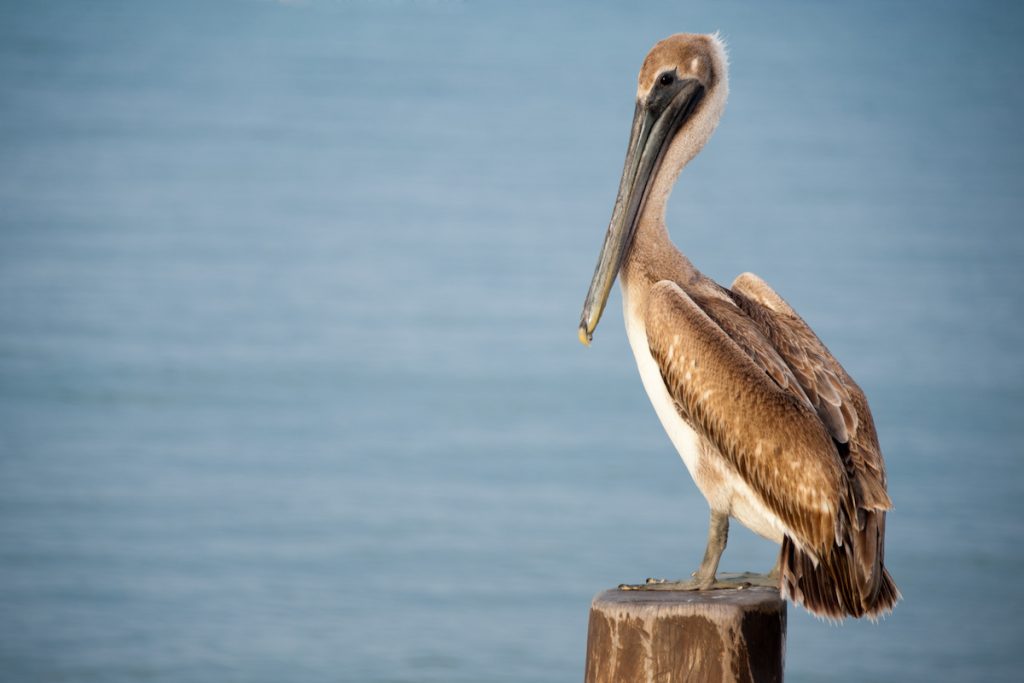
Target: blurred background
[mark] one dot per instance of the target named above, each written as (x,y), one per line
(290,388)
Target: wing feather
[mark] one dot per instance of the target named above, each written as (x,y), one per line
(838,400)
(739,394)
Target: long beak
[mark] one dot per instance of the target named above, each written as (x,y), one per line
(654,127)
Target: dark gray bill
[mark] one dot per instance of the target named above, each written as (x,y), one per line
(655,123)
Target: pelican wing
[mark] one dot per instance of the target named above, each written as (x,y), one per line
(837,399)
(766,429)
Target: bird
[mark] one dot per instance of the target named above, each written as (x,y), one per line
(774,432)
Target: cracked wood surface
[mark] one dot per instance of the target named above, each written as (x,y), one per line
(673,636)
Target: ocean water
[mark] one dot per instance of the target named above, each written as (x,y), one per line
(290,388)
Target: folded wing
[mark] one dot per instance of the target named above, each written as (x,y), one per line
(738,392)
(837,399)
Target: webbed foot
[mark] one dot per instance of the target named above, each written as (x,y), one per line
(727,581)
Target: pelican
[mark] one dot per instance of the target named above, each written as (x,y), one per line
(772,429)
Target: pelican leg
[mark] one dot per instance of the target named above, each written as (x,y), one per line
(718,536)
(704,577)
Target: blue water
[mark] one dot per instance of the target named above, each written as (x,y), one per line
(289,381)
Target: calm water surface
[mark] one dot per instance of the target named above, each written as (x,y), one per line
(289,381)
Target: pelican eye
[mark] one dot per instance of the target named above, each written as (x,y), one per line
(666,79)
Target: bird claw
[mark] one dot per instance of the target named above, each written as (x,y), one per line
(742,581)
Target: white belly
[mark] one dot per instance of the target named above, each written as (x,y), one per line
(723,488)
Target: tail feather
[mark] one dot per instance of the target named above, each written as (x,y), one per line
(849,580)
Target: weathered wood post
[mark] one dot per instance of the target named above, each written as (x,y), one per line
(673,636)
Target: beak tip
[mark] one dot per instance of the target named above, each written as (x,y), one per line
(585,336)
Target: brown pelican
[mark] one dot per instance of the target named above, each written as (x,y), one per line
(773,430)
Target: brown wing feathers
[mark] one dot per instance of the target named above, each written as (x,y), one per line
(794,426)
(820,374)
(771,436)
(852,579)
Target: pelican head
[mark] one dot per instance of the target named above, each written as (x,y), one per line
(680,96)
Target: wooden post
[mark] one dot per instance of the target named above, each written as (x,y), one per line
(674,636)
